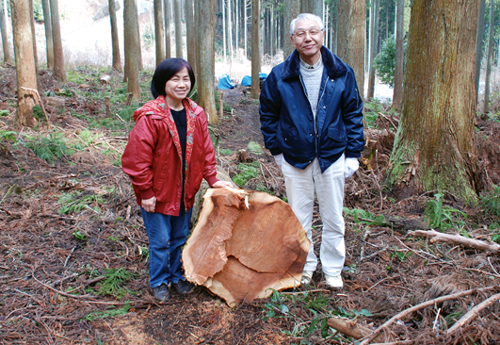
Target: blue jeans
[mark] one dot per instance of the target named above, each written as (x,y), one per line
(167,234)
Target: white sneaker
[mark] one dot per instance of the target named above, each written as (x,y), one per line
(334,281)
(306,277)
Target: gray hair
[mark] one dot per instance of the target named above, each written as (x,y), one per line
(308,16)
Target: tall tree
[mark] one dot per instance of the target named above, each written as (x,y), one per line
(333,22)
(313,6)
(434,146)
(398,70)
(178,28)
(49,42)
(487,85)
(25,61)
(351,37)
(224,44)
(5,40)
(255,89)
(479,44)
(115,44)
(59,70)
(166,17)
(230,31)
(190,33)
(206,57)
(247,4)
(132,64)
(35,54)
(292,10)
(374,10)
(159,31)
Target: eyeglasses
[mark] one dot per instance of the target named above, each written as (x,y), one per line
(303,33)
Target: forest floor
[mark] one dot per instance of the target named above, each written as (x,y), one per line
(73,263)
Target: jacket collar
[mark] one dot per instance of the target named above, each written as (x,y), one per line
(333,65)
(159,107)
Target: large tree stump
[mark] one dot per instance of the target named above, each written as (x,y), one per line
(245,245)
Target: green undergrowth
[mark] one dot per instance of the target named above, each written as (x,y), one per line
(114,281)
(440,216)
(112,311)
(361,216)
(309,313)
(248,171)
(49,147)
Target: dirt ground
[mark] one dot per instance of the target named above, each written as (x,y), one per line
(53,262)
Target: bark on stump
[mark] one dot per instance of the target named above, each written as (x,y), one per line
(245,245)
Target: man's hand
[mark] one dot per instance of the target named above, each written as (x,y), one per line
(149,205)
(351,165)
(222,184)
(279,159)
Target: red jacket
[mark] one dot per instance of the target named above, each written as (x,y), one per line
(153,156)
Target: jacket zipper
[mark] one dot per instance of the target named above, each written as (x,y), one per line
(314,117)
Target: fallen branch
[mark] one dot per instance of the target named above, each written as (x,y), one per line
(405,342)
(351,328)
(457,239)
(84,298)
(473,313)
(408,311)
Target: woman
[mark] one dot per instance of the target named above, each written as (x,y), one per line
(168,153)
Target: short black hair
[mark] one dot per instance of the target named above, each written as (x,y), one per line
(165,71)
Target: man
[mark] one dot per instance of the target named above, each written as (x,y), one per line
(311,118)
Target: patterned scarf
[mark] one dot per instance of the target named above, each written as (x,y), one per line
(159,107)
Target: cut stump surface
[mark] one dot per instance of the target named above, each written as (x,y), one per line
(245,245)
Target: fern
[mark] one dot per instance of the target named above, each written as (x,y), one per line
(248,172)
(49,148)
(72,202)
(434,211)
(115,278)
(368,218)
(109,313)
(491,201)
(443,217)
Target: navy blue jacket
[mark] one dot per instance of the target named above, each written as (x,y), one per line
(287,121)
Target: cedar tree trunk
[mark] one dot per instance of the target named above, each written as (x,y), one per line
(351,37)
(434,146)
(59,71)
(115,44)
(206,58)
(25,61)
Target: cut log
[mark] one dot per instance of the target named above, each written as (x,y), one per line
(245,245)
(352,329)
(457,239)
(56,102)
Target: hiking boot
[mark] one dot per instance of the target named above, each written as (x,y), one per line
(183,287)
(161,293)
(306,277)
(334,282)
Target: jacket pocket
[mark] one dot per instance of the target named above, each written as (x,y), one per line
(337,135)
(334,144)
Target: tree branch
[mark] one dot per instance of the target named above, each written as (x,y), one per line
(368,339)
(457,239)
(473,313)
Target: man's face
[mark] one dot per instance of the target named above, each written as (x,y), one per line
(307,39)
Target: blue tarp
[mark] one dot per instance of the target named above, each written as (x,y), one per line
(225,83)
(247,80)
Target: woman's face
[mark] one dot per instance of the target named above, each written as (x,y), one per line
(177,87)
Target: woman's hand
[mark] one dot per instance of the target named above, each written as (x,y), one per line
(149,205)
(222,184)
